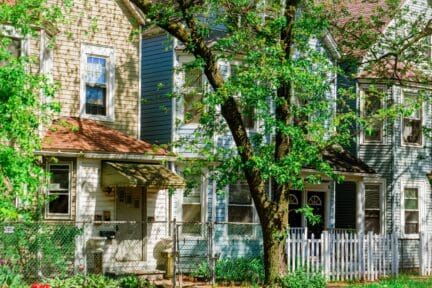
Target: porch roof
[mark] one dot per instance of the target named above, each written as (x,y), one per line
(134,174)
(72,134)
(342,160)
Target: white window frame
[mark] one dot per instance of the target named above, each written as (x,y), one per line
(181,76)
(10,31)
(103,52)
(413,93)
(421,185)
(230,65)
(49,215)
(203,200)
(362,93)
(382,200)
(254,222)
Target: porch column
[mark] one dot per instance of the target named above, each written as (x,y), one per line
(360,191)
(331,205)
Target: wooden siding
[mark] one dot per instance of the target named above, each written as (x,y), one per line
(395,162)
(106,24)
(92,200)
(157,81)
(157,232)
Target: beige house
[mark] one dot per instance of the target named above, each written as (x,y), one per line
(103,178)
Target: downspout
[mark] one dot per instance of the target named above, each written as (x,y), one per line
(139,83)
(392,171)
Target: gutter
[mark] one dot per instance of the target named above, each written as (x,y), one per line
(343,173)
(107,156)
(137,15)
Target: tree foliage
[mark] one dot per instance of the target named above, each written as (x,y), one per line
(285,80)
(25,105)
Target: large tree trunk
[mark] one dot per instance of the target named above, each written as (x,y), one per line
(275,258)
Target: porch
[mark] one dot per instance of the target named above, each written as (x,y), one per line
(355,205)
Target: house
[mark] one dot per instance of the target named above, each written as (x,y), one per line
(109,173)
(399,151)
(100,171)
(236,231)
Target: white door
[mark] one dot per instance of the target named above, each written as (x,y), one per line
(129,237)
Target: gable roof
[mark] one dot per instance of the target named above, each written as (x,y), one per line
(341,160)
(356,24)
(84,135)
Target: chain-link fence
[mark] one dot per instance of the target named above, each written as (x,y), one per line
(39,249)
(218,251)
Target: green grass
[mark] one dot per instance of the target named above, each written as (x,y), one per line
(399,282)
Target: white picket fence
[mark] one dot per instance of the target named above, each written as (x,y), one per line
(344,256)
(425,255)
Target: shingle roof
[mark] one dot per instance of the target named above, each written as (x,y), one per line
(77,134)
(342,160)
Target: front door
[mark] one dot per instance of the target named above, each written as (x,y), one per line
(316,201)
(129,236)
(295,218)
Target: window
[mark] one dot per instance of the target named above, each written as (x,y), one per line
(11,44)
(97,65)
(371,103)
(412,124)
(59,190)
(192,210)
(193,90)
(411,210)
(372,208)
(247,111)
(240,209)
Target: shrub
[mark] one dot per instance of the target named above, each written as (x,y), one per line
(301,279)
(84,281)
(244,270)
(10,278)
(99,281)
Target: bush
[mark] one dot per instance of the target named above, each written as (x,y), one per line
(10,278)
(301,279)
(133,281)
(99,281)
(244,270)
(87,281)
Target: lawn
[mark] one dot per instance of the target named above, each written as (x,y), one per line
(400,282)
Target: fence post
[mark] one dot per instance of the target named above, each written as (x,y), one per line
(421,250)
(361,255)
(325,248)
(395,254)
(210,229)
(174,252)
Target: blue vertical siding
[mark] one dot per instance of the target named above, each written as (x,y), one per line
(157,81)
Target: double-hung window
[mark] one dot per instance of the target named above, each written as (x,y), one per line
(371,102)
(192,209)
(411,212)
(59,191)
(412,123)
(231,70)
(97,88)
(240,210)
(373,207)
(192,92)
